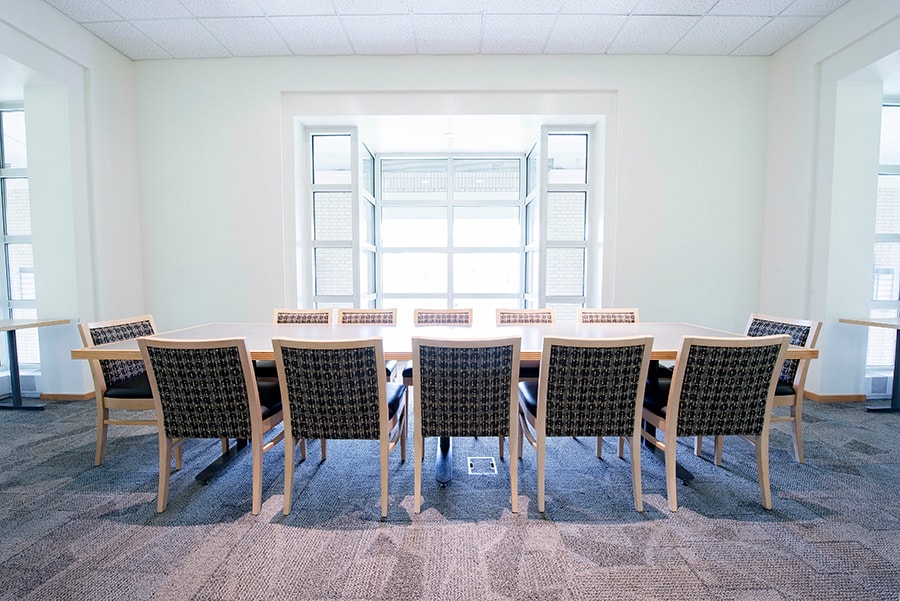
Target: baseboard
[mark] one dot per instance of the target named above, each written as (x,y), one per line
(834,398)
(60,396)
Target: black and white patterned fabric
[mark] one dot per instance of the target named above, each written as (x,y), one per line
(465,391)
(116,371)
(368,317)
(593,391)
(607,317)
(202,392)
(301,317)
(515,317)
(450,318)
(799,335)
(725,390)
(333,393)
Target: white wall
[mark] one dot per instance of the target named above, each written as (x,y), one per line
(690,156)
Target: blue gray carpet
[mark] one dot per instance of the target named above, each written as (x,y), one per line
(71,531)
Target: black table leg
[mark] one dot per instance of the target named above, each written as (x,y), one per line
(443,465)
(894,405)
(15,388)
(210,470)
(681,472)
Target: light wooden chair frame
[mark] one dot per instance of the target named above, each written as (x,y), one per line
(258,425)
(106,404)
(669,424)
(538,423)
(386,425)
(419,439)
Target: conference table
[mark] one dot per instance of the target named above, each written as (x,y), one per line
(397,341)
(891,323)
(10,326)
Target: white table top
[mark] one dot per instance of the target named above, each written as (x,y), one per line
(21,324)
(877,322)
(667,336)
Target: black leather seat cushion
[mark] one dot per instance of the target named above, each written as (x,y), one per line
(267,369)
(137,387)
(269,397)
(396,394)
(529,371)
(784,389)
(656,394)
(528,393)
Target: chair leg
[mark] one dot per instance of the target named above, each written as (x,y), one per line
(671,484)
(324,456)
(501,448)
(541,465)
(622,447)
(599,447)
(256,448)
(384,474)
(797,432)
(520,433)
(418,452)
(513,474)
(762,463)
(179,456)
(698,446)
(289,444)
(635,450)
(165,464)
(102,428)
(224,445)
(405,431)
(302,444)
(720,442)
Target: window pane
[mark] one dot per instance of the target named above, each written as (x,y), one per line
(27,339)
(14,139)
(531,172)
(567,159)
(400,177)
(404,273)
(885,280)
(484,310)
(880,351)
(486,272)
(531,222)
(890,135)
(331,160)
(486,226)
(488,178)
(367,174)
(565,311)
(414,226)
(887,205)
(21,271)
(367,223)
(565,216)
(334,271)
(332,213)
(367,262)
(565,271)
(531,272)
(18,209)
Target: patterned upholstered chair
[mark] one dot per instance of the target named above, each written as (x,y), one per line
(336,389)
(266,369)
(588,387)
(528,370)
(465,388)
(436,317)
(367,316)
(207,389)
(792,379)
(118,384)
(721,387)
(608,316)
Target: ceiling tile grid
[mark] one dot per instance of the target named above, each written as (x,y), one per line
(183,29)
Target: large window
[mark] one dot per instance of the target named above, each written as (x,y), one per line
(886,272)
(441,231)
(18,292)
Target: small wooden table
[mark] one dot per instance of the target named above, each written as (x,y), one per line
(892,323)
(10,326)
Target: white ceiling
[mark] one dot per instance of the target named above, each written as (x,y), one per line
(180,29)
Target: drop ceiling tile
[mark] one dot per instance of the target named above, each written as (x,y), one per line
(510,7)
(251,36)
(776,34)
(583,34)
(651,35)
(515,34)
(182,38)
(371,7)
(719,35)
(592,7)
(223,8)
(149,9)
(292,8)
(380,34)
(128,40)
(768,8)
(447,34)
(313,35)
(812,8)
(444,7)
(673,7)
(85,11)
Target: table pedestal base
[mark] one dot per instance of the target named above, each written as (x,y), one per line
(443,465)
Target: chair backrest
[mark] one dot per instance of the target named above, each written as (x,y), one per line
(316,316)
(608,316)
(110,372)
(514,317)
(203,388)
(724,386)
(442,317)
(802,332)
(333,389)
(367,316)
(592,387)
(465,387)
